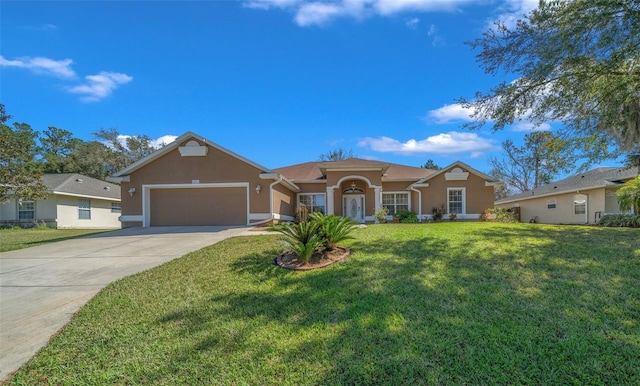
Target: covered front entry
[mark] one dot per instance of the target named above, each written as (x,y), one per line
(198,206)
(353,207)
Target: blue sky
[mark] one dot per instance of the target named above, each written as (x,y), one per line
(279,82)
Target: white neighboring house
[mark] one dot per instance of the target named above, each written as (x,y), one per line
(580,199)
(75,201)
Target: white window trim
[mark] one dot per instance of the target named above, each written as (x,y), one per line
(552,201)
(464,199)
(408,194)
(298,203)
(32,211)
(83,209)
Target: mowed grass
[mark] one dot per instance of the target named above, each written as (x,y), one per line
(447,303)
(12,239)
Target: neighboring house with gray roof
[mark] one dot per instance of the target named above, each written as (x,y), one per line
(579,199)
(74,201)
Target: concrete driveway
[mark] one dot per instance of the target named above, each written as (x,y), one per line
(42,287)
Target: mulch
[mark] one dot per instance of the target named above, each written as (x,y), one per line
(290,260)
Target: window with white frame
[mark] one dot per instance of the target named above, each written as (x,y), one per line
(551,203)
(313,202)
(84,209)
(395,202)
(116,207)
(456,200)
(579,204)
(26,210)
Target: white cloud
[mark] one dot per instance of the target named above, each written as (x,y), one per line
(95,88)
(164,140)
(444,143)
(317,13)
(436,39)
(413,23)
(389,7)
(45,66)
(100,86)
(512,10)
(309,13)
(155,143)
(529,126)
(449,113)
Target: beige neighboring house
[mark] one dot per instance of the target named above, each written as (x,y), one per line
(75,201)
(194,181)
(580,199)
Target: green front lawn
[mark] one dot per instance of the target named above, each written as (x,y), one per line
(447,303)
(18,238)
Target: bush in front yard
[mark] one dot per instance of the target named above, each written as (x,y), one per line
(620,220)
(407,217)
(318,232)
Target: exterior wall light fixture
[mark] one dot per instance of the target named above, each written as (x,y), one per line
(131,191)
(258,189)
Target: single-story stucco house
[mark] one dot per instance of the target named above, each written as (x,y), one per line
(580,199)
(74,201)
(194,181)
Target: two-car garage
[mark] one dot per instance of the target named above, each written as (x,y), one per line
(206,204)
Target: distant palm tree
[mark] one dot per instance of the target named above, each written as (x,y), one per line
(629,195)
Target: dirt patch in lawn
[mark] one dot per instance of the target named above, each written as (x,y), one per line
(322,259)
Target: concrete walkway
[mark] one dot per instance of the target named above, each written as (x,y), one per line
(42,287)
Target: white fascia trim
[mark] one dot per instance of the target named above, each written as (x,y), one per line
(86,196)
(146,195)
(534,196)
(120,179)
(280,178)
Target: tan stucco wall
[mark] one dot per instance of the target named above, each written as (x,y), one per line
(284,201)
(478,196)
(216,167)
(564,211)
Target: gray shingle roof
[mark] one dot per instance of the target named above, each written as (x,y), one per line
(80,185)
(595,178)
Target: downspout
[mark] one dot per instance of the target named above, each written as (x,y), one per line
(271,185)
(419,201)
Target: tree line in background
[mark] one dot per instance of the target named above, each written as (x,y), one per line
(26,154)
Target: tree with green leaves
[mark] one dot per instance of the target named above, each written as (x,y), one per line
(629,196)
(56,147)
(576,62)
(20,171)
(430,164)
(337,155)
(123,150)
(538,161)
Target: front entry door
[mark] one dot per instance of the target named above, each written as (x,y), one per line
(353,207)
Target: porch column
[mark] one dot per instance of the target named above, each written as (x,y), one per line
(378,197)
(330,207)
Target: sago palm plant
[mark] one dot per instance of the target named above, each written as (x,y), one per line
(302,238)
(333,229)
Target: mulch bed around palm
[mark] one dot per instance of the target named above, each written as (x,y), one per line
(290,260)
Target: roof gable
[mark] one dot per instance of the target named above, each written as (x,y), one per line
(462,165)
(183,139)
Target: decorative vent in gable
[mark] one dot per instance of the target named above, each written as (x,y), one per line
(456,174)
(193,149)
